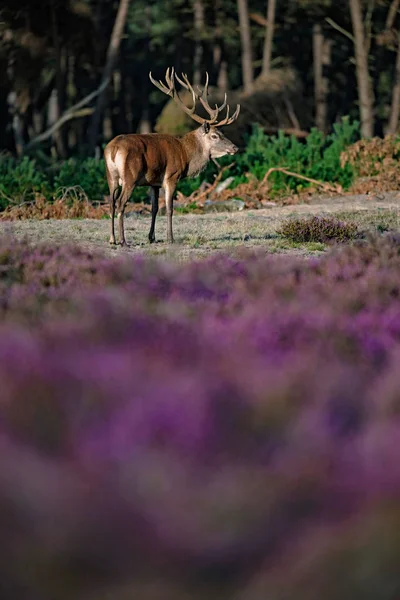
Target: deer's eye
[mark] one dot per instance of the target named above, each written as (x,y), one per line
(214,136)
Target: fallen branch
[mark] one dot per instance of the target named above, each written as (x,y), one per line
(76,111)
(323,185)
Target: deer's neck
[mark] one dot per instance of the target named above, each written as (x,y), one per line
(197,155)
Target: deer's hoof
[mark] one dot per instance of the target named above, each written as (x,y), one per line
(112,242)
(152,239)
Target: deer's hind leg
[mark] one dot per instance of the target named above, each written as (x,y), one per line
(132,173)
(113,184)
(154,191)
(169,186)
(123,200)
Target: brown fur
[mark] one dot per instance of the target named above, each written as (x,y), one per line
(158,160)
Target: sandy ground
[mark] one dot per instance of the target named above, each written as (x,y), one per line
(197,235)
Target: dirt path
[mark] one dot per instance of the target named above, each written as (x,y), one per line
(197,235)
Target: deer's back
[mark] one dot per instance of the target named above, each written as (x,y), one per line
(147,157)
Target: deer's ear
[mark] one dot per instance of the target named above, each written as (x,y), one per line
(206,127)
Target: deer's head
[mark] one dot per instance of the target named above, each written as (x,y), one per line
(213,140)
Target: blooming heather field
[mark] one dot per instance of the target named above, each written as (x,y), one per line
(223,429)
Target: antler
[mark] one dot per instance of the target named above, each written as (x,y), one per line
(202,96)
(171,91)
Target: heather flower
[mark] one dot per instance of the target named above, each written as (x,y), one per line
(318,229)
(200,425)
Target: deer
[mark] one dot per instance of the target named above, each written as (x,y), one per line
(160,160)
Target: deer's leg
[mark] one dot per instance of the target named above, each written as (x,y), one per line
(124,198)
(155,192)
(113,184)
(169,188)
(113,201)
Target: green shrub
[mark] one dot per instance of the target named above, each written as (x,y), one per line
(89,174)
(318,229)
(317,157)
(20,180)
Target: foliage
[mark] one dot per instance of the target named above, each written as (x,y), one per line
(318,157)
(20,180)
(374,156)
(318,229)
(89,174)
(376,163)
(333,159)
(29,180)
(218,429)
(160,34)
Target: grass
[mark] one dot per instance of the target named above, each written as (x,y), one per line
(199,235)
(378,220)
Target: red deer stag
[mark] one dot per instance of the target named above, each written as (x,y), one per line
(159,160)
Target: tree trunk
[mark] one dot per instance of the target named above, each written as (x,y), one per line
(269,36)
(199,24)
(71,91)
(220,67)
(217,40)
(245,37)
(60,139)
(365,93)
(128,103)
(395,108)
(222,81)
(322,58)
(17,122)
(112,54)
(145,123)
(392,12)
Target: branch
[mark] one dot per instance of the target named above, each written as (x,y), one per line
(76,111)
(259,19)
(325,186)
(333,24)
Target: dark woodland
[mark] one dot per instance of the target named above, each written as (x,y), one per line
(75,73)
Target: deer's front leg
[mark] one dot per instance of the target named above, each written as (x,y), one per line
(169,188)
